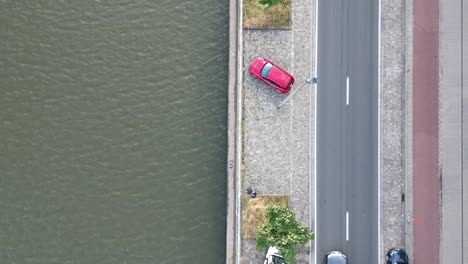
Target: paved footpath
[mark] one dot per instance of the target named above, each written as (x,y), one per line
(394,83)
(277,143)
(453,91)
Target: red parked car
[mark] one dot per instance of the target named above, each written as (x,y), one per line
(271,74)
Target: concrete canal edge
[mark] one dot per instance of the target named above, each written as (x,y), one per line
(234,134)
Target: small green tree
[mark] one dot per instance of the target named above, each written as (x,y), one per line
(284,232)
(269,2)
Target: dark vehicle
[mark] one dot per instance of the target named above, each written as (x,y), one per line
(336,257)
(271,74)
(397,256)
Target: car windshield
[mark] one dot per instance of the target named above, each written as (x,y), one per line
(266,69)
(278,260)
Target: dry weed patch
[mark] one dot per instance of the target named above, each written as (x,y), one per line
(254,210)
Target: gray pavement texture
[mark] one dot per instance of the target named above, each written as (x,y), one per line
(453,92)
(393,44)
(277,142)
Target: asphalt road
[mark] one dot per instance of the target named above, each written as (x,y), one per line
(347,178)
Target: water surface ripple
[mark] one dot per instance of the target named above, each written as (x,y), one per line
(113,131)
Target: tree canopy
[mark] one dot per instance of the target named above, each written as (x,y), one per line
(284,232)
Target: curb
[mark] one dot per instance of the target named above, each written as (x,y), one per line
(233,134)
(408,128)
(268,28)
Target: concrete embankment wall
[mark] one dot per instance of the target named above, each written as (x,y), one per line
(234,119)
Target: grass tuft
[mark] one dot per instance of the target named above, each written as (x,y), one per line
(257,15)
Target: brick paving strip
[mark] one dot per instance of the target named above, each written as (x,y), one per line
(426,131)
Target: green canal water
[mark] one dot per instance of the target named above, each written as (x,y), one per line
(113,131)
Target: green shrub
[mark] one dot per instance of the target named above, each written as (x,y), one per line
(284,232)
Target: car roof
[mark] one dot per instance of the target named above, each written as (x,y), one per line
(398,256)
(279,76)
(336,257)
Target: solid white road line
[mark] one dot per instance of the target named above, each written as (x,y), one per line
(315,128)
(347,225)
(347,90)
